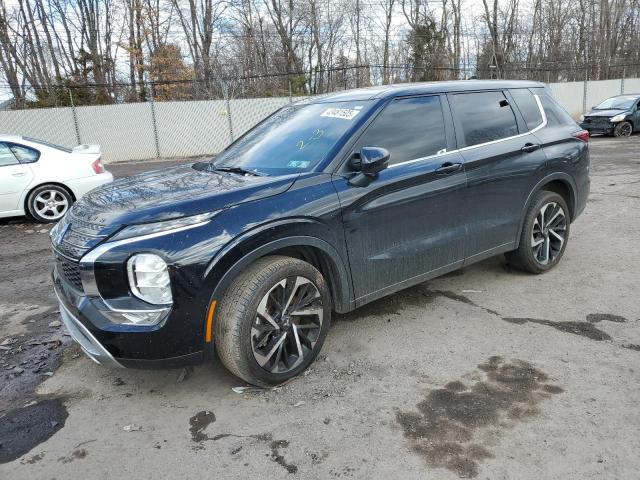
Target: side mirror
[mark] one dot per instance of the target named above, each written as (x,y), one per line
(368,162)
(371,160)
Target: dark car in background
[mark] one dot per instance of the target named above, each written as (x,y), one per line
(618,116)
(324,206)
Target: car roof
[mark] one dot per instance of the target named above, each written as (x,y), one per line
(405,89)
(629,95)
(11,138)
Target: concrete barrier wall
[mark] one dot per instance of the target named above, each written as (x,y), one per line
(570,95)
(138,131)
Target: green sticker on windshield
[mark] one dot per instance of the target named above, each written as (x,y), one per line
(298,164)
(343,113)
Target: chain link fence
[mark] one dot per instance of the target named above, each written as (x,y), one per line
(142,130)
(150,124)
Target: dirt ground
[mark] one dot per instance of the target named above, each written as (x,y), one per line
(486,372)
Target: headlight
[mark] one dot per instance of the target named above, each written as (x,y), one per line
(582,118)
(157,227)
(149,278)
(618,118)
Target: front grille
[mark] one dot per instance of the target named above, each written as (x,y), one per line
(71,239)
(69,271)
(598,122)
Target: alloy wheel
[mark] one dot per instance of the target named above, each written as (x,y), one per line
(50,204)
(625,129)
(548,233)
(287,324)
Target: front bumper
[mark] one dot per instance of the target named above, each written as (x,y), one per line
(595,129)
(89,344)
(101,344)
(178,337)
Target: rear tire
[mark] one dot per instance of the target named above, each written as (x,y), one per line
(263,341)
(545,234)
(48,203)
(623,129)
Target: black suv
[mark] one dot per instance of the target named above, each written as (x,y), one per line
(324,206)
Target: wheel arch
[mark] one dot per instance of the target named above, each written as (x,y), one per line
(318,252)
(42,184)
(560,183)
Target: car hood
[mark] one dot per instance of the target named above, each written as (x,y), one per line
(172,193)
(605,113)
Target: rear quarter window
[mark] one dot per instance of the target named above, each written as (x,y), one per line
(556,115)
(528,107)
(483,117)
(25,154)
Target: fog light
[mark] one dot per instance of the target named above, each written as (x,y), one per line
(149,278)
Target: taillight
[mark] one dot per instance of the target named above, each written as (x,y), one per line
(582,135)
(97,166)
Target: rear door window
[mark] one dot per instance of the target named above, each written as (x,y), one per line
(6,156)
(528,106)
(482,117)
(410,128)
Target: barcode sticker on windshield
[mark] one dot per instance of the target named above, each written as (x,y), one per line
(343,113)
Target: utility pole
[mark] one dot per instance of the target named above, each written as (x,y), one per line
(357,43)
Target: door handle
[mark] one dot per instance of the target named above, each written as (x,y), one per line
(530,147)
(448,167)
(19,174)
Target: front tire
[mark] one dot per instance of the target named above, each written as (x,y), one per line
(545,233)
(623,129)
(49,203)
(273,320)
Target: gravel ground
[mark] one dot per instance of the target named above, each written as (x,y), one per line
(486,372)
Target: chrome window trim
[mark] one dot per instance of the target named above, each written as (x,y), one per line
(87,262)
(463,149)
(421,159)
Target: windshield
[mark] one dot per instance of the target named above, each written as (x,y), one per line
(616,103)
(294,139)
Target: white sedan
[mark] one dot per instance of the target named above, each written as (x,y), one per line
(43,180)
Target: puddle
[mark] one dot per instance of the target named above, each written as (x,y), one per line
(23,429)
(455,426)
(461,298)
(276,445)
(78,454)
(201,420)
(605,317)
(584,329)
(198,423)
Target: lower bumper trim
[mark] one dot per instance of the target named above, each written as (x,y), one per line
(89,344)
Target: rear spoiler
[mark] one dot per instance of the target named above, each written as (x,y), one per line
(87,149)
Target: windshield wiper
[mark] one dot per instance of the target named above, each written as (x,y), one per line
(239,170)
(210,167)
